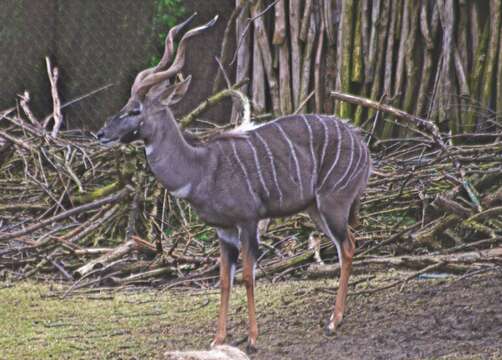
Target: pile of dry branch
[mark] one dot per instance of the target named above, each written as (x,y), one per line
(71,209)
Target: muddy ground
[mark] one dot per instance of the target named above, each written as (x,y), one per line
(423,321)
(451,318)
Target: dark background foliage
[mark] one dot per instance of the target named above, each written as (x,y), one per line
(95,43)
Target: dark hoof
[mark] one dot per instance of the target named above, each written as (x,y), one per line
(251,349)
(238,342)
(329,331)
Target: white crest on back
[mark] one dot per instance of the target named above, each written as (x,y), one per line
(245,127)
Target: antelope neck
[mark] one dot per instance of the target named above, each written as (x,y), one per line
(174,162)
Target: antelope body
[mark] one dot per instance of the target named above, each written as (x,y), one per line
(312,163)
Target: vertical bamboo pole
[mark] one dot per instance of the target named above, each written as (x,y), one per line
(463,59)
(306,61)
(266,55)
(382,28)
(294,31)
(365,31)
(334,57)
(258,79)
(429,33)
(372,50)
(410,58)
(243,54)
(344,110)
(389,58)
(357,51)
(318,80)
(498,94)
(447,113)
(280,40)
(474,26)
(489,71)
(389,61)
(403,36)
(365,43)
(327,56)
(463,43)
(476,75)
(327,15)
(305,25)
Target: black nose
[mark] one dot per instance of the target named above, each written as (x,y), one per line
(100,134)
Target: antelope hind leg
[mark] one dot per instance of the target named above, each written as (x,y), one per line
(347,252)
(249,255)
(333,222)
(229,254)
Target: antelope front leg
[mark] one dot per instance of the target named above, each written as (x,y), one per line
(228,258)
(348,247)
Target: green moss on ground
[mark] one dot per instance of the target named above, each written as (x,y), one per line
(35,322)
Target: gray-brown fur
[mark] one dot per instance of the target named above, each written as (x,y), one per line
(274,183)
(219,195)
(312,163)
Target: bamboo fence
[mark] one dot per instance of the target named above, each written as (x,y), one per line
(440,60)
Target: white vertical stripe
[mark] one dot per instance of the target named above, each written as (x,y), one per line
(338,151)
(312,152)
(272,164)
(246,176)
(347,170)
(293,152)
(326,139)
(224,153)
(364,166)
(258,167)
(356,168)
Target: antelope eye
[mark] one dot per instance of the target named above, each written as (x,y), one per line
(134,112)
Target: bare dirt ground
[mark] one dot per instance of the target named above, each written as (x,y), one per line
(451,318)
(423,321)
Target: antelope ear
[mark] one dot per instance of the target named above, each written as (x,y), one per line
(170,94)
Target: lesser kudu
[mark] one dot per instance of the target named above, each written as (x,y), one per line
(313,163)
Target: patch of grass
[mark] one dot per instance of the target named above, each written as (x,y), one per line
(36,324)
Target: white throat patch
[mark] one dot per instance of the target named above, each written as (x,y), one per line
(182,192)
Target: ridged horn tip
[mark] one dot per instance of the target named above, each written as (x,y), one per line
(189,20)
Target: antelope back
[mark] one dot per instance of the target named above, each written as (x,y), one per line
(287,164)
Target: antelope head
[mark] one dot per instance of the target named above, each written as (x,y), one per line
(154,89)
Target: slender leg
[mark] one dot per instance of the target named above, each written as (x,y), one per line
(249,255)
(331,217)
(228,258)
(348,247)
